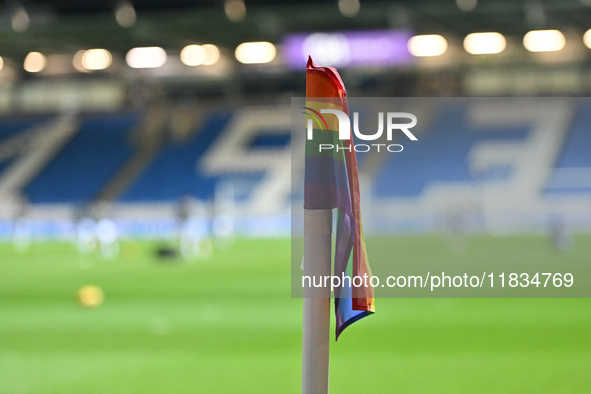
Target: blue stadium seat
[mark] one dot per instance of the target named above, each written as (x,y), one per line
(577,146)
(174,173)
(575,153)
(87,162)
(10,127)
(440,154)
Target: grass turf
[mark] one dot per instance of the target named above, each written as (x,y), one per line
(228,325)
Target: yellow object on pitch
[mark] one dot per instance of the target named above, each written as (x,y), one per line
(90,296)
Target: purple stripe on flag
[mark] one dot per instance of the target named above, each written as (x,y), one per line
(344,242)
(323,196)
(323,169)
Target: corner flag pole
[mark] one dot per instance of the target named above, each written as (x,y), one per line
(316,327)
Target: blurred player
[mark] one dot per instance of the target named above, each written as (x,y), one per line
(455,228)
(561,237)
(105,230)
(21,236)
(223,221)
(85,235)
(106,233)
(479,172)
(194,240)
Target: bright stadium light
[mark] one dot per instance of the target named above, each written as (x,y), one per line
(212,54)
(20,19)
(427,45)
(255,52)
(349,8)
(77,61)
(196,55)
(235,10)
(146,57)
(466,5)
(193,55)
(587,38)
(34,62)
(125,14)
(544,41)
(96,59)
(484,43)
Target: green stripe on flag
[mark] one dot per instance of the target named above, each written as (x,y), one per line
(325,137)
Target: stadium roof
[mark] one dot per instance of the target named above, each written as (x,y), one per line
(68,25)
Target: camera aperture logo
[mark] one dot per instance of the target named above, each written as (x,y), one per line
(344,129)
(317,117)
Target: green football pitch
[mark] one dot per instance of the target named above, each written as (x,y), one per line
(229,325)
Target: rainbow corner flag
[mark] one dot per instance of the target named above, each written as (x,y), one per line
(332,181)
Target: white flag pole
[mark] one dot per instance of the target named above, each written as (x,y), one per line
(316,327)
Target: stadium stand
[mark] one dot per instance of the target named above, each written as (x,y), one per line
(11,136)
(174,168)
(87,162)
(442,155)
(430,177)
(102,145)
(572,171)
